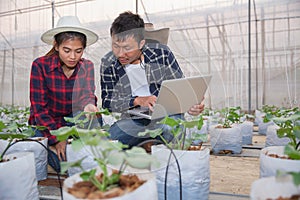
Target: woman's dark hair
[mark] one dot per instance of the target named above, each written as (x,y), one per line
(126,25)
(64,36)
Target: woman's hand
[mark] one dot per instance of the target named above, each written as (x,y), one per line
(61,150)
(196,109)
(90,108)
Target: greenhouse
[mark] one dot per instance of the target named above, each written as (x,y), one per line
(250,50)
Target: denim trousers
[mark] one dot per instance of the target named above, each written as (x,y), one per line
(126,130)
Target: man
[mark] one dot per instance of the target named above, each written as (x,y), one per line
(131,76)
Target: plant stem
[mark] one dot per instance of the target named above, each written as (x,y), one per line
(90,123)
(2,155)
(183,139)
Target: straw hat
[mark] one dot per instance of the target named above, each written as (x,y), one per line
(69,23)
(160,35)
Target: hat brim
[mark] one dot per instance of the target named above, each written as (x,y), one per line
(48,36)
(160,35)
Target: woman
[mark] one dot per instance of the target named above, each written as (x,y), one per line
(62,82)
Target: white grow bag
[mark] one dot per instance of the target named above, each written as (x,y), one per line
(247,132)
(226,139)
(18,177)
(270,165)
(273,188)
(272,139)
(195,173)
(40,153)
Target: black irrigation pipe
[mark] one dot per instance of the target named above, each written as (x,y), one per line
(51,157)
(179,173)
(230,194)
(167,168)
(297,146)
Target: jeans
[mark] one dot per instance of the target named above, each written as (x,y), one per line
(53,159)
(126,130)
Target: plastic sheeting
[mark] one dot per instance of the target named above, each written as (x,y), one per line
(213,39)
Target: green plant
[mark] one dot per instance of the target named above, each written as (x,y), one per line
(269,108)
(178,131)
(289,126)
(295,175)
(230,116)
(14,126)
(274,111)
(104,152)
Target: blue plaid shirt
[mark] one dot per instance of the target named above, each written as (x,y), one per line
(159,64)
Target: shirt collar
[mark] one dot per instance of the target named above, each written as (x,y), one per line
(149,53)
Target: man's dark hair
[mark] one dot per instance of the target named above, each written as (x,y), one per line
(126,25)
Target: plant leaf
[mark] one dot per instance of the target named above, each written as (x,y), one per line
(152,133)
(64,133)
(296,131)
(2,126)
(66,165)
(6,136)
(116,158)
(169,121)
(200,122)
(77,145)
(87,174)
(292,152)
(103,111)
(137,157)
(283,132)
(296,177)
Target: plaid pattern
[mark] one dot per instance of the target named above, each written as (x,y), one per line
(53,96)
(160,64)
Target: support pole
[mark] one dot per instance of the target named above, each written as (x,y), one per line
(13,78)
(208,55)
(3,75)
(249,56)
(53,8)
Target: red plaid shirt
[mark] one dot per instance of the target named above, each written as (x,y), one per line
(54,96)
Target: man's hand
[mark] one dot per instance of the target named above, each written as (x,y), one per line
(196,109)
(146,101)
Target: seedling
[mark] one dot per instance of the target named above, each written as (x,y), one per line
(14,126)
(104,152)
(178,131)
(230,116)
(290,127)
